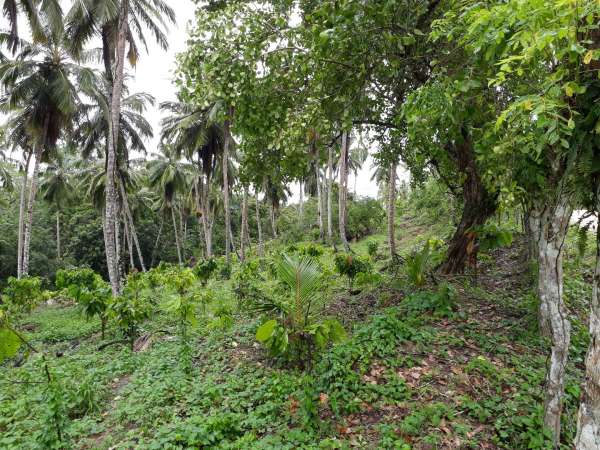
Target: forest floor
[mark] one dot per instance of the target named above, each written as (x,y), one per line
(420,370)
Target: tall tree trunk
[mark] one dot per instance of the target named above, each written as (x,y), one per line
(176,231)
(301,204)
(203,204)
(588,419)
(22,215)
(58,253)
(343,192)
(30,204)
(112,254)
(553,226)
(392,209)
(319,203)
(160,228)
(479,205)
(330,195)
(182,232)
(226,145)
(261,249)
(273,221)
(244,224)
(132,230)
(129,244)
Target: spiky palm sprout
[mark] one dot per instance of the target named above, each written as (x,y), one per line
(41,94)
(57,188)
(169,177)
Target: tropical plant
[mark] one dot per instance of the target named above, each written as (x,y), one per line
(372,248)
(89,290)
(205,269)
(22,295)
(350,266)
(299,330)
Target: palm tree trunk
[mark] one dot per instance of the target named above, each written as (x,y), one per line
(244,224)
(205,209)
(273,222)
(226,144)
(112,255)
(588,419)
(132,229)
(301,205)
(160,228)
(261,249)
(343,193)
(22,216)
(175,230)
(392,209)
(58,253)
(330,195)
(30,204)
(182,231)
(319,203)
(129,243)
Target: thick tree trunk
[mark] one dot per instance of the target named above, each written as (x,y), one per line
(554,219)
(588,419)
(343,192)
(132,230)
(261,249)
(160,228)
(22,216)
(112,245)
(391,229)
(479,205)
(203,199)
(330,195)
(30,204)
(58,252)
(226,145)
(176,231)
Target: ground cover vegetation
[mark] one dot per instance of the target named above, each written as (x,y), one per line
(232,288)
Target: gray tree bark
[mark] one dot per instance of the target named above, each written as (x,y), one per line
(132,230)
(319,204)
(330,195)
(58,252)
(244,237)
(588,418)
(30,204)
(112,244)
(227,143)
(343,192)
(22,215)
(553,226)
(392,210)
(176,231)
(261,249)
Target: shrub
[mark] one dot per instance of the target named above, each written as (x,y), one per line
(440,303)
(88,289)
(132,307)
(298,330)
(350,266)
(418,261)
(372,248)
(22,295)
(365,216)
(245,281)
(205,269)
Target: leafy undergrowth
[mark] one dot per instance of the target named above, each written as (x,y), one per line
(453,366)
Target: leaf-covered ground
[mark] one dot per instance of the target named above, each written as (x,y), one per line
(412,375)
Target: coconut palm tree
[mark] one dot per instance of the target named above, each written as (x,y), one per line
(120,23)
(41,93)
(57,188)
(194,133)
(39,15)
(169,177)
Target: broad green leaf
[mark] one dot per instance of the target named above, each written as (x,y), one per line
(265,331)
(9,344)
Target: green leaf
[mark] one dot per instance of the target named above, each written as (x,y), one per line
(9,344)
(265,331)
